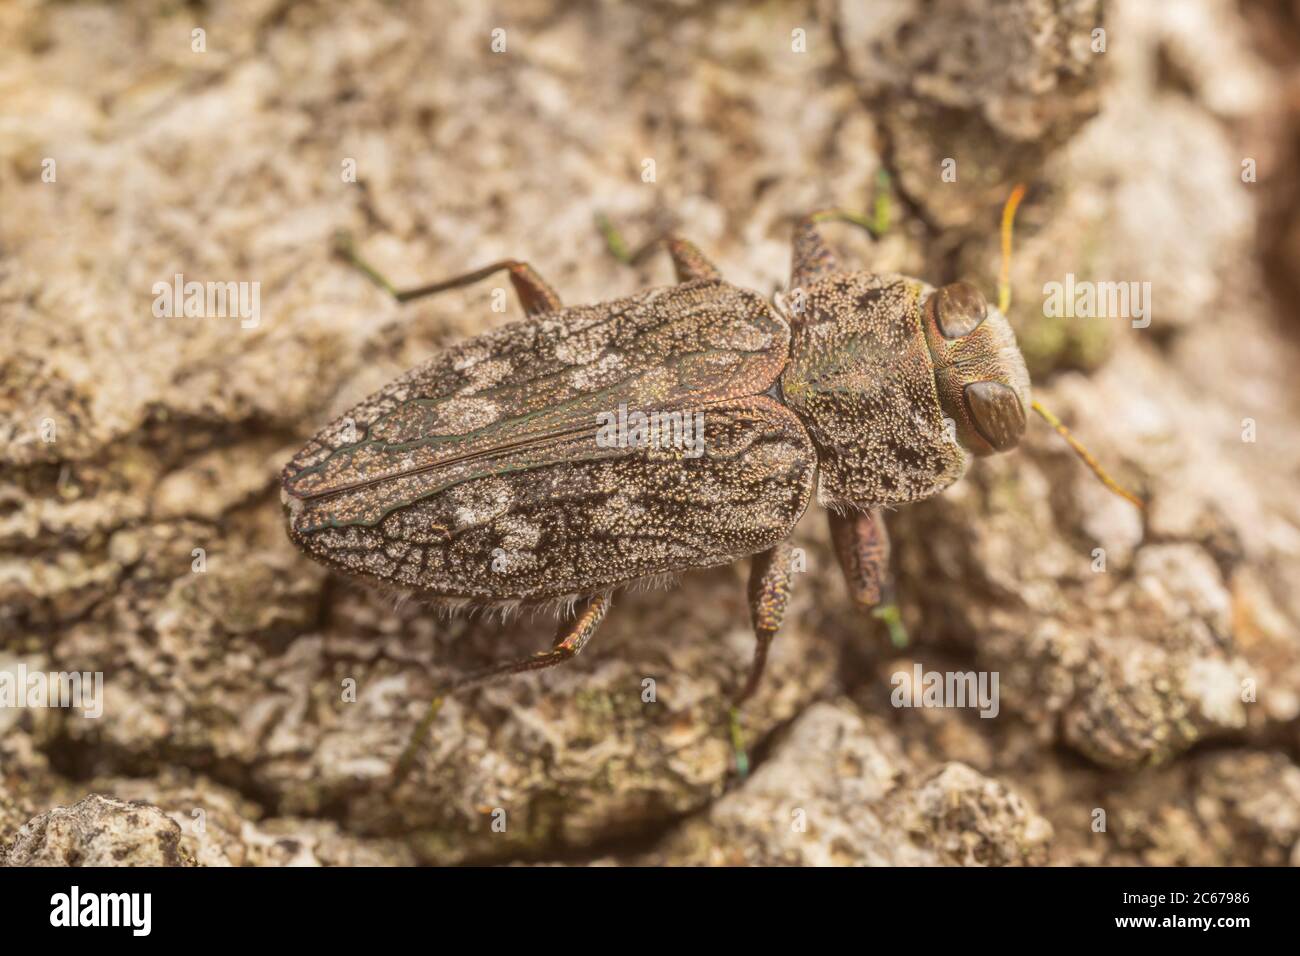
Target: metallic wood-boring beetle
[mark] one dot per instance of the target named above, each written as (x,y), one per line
(478,478)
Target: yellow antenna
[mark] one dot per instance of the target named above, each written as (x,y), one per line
(1086,456)
(1004,304)
(1008,219)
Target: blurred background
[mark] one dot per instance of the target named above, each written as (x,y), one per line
(1149,663)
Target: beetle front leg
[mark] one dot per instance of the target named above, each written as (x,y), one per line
(862,547)
(534,292)
(570,639)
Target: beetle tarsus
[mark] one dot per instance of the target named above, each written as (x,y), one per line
(407,759)
(893,618)
(738,742)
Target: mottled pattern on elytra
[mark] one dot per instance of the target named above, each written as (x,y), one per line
(580,526)
(862,380)
(529,383)
(478,474)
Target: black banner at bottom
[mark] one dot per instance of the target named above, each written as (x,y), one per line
(532,903)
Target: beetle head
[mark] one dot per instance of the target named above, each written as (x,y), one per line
(979,372)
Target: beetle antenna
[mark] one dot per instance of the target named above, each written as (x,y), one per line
(858,219)
(1004,303)
(1008,219)
(1086,456)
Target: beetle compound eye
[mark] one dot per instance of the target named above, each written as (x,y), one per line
(959,310)
(996,413)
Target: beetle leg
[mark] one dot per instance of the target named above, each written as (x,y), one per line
(688,262)
(862,547)
(769,593)
(570,639)
(533,291)
(811,259)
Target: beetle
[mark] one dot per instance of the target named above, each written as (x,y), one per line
(479,478)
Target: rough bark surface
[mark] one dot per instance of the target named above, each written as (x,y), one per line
(1162,687)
